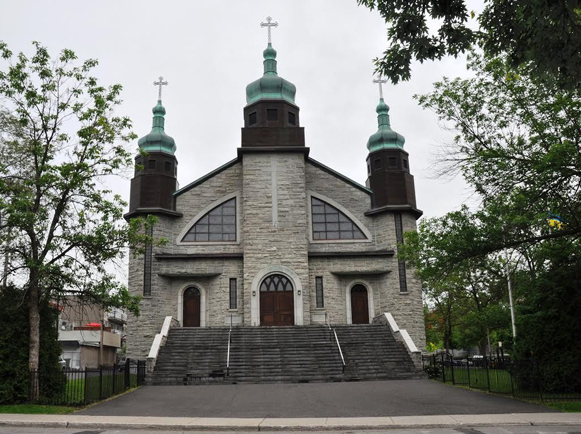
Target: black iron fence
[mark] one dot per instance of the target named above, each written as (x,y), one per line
(81,387)
(521,379)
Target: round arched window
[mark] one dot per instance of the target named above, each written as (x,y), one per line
(276,282)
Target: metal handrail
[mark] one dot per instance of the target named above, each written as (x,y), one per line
(339,347)
(328,322)
(229,342)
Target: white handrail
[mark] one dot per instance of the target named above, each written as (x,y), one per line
(229,341)
(340,352)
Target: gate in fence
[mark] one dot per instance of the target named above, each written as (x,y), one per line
(80,387)
(523,379)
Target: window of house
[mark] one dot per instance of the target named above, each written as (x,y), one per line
(319,289)
(292,118)
(151,164)
(377,164)
(233,299)
(331,224)
(252,118)
(405,164)
(272,114)
(167,166)
(392,162)
(217,225)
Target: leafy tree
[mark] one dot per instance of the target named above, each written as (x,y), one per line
(59,140)
(546,34)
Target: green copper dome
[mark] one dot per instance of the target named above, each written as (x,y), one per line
(157,139)
(385,137)
(270,86)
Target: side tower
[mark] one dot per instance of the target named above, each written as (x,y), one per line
(155,178)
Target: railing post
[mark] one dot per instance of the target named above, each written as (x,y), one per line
(452,369)
(443,368)
(539,381)
(114,376)
(487,372)
(127,378)
(100,382)
(86,388)
(511,379)
(468,370)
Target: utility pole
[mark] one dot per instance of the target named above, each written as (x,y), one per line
(509,281)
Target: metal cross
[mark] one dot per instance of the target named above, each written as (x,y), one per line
(380,81)
(160,83)
(268,25)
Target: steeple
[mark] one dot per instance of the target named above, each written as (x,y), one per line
(157,139)
(155,178)
(271,117)
(388,166)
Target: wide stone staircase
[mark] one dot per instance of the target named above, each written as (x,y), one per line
(281,354)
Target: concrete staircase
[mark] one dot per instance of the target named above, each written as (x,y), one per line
(281,354)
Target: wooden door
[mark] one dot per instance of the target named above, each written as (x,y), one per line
(191,307)
(277,308)
(359,305)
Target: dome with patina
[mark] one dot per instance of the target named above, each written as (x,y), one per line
(270,86)
(385,137)
(157,140)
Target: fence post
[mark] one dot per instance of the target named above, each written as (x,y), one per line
(86,388)
(539,380)
(443,368)
(452,369)
(511,379)
(127,374)
(114,377)
(468,370)
(100,382)
(487,372)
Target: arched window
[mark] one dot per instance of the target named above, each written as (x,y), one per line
(331,224)
(217,225)
(276,282)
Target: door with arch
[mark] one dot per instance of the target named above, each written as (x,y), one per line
(277,301)
(191,314)
(359,305)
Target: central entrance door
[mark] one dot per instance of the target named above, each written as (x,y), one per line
(359,305)
(277,301)
(191,307)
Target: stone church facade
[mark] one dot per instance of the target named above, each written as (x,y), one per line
(273,237)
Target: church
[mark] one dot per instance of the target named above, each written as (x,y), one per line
(273,237)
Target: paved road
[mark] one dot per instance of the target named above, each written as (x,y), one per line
(356,399)
(466,430)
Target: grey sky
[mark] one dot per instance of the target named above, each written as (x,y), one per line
(209,51)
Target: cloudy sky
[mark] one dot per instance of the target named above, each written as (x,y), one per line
(209,51)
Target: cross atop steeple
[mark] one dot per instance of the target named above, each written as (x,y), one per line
(380,81)
(160,83)
(268,25)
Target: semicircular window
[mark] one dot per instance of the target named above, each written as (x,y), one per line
(331,224)
(217,225)
(276,282)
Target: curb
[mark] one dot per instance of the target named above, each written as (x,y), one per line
(302,424)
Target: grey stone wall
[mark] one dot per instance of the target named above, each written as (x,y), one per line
(279,239)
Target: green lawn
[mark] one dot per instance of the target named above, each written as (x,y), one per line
(36,409)
(568,407)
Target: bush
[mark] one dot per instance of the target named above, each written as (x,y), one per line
(14,332)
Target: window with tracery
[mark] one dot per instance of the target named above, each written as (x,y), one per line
(331,224)
(217,225)
(276,282)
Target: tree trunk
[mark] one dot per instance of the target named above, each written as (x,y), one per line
(34,338)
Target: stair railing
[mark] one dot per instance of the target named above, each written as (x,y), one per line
(229,343)
(334,333)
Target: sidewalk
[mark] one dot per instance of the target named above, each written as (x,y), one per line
(274,424)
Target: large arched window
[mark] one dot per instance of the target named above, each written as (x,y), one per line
(217,225)
(331,224)
(276,282)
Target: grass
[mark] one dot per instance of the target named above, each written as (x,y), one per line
(567,407)
(36,409)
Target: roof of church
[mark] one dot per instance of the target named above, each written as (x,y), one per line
(157,139)
(236,160)
(385,137)
(270,85)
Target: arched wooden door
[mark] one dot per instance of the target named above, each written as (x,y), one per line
(277,301)
(359,305)
(191,307)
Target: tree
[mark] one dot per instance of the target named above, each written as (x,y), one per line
(545,34)
(59,140)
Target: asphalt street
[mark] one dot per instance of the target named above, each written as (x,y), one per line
(356,399)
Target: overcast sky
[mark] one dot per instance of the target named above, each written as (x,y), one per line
(209,51)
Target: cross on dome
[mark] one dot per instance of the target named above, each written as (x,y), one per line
(268,25)
(380,81)
(160,83)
